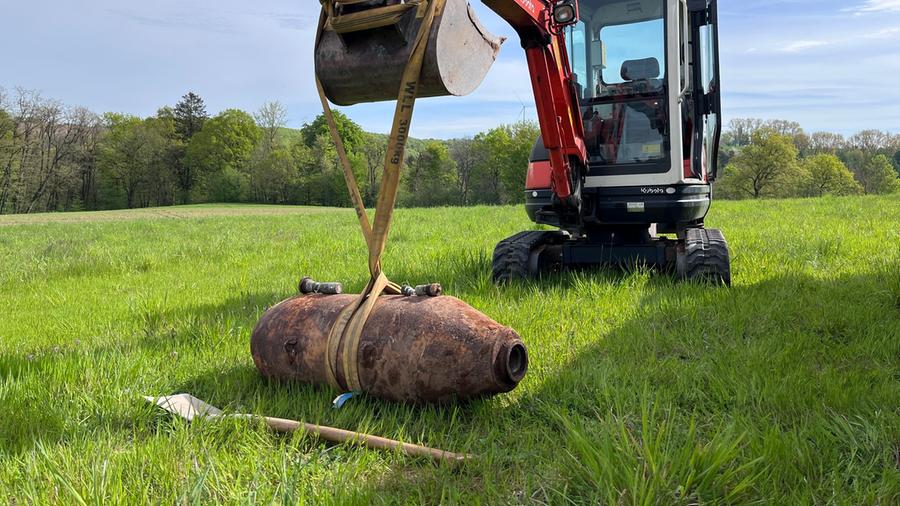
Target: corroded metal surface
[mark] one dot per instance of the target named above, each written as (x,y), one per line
(367,66)
(412,349)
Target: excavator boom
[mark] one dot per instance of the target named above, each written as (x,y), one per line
(543,40)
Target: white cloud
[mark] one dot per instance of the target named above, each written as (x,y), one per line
(878,6)
(866,35)
(802,45)
(884,34)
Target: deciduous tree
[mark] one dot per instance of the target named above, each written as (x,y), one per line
(740,131)
(372,153)
(351,133)
(515,167)
(766,168)
(132,161)
(219,154)
(465,156)
(870,141)
(431,178)
(271,118)
(826,142)
(487,174)
(825,174)
(48,162)
(878,176)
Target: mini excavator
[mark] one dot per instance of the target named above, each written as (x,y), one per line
(628,101)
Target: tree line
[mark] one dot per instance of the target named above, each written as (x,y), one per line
(55,157)
(60,158)
(777,158)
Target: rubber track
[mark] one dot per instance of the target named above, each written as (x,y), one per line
(707,256)
(512,256)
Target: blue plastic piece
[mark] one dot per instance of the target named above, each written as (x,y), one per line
(341,399)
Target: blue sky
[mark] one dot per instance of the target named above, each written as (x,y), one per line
(827,64)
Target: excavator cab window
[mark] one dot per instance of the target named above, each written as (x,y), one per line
(618,52)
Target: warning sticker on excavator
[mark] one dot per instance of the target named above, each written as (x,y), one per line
(652,149)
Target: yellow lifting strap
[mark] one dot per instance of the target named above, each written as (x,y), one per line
(343,341)
(368,19)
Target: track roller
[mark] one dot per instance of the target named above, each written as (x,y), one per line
(704,257)
(519,257)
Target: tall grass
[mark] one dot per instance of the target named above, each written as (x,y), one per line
(655,459)
(784,389)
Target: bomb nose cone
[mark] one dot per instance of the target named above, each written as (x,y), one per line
(512,362)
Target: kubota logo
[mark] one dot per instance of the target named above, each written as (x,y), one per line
(653,191)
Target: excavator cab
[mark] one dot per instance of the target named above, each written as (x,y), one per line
(646,78)
(634,63)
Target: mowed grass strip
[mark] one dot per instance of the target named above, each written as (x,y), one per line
(179,212)
(783,389)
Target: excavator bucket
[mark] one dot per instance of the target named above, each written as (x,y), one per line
(364,45)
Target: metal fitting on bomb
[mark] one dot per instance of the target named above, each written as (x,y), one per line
(432,290)
(308,286)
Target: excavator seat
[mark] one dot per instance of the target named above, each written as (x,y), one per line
(364,45)
(642,75)
(646,68)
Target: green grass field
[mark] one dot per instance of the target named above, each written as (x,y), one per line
(784,389)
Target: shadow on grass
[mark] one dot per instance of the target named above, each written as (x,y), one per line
(26,424)
(769,390)
(785,384)
(689,339)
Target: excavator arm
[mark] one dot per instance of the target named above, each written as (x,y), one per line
(554,87)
